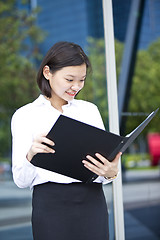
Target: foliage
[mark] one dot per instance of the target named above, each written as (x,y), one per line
(145,88)
(19,38)
(135,160)
(95,88)
(145,85)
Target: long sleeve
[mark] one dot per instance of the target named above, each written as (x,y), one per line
(23,171)
(38,117)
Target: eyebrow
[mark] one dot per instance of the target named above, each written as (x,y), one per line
(69,75)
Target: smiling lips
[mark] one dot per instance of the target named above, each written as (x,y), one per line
(72,94)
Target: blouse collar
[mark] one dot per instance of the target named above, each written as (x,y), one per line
(43,100)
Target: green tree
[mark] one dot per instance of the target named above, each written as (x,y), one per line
(145,88)
(95,87)
(19,39)
(145,85)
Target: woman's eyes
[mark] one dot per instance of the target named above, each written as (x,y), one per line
(71,80)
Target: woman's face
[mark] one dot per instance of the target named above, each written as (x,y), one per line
(67,82)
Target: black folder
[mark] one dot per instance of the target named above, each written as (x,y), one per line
(75,140)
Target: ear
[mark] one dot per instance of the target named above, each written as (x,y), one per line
(46,72)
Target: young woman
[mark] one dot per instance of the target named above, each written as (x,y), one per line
(63,207)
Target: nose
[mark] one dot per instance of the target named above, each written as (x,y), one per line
(75,87)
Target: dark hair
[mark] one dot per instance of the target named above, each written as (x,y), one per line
(61,54)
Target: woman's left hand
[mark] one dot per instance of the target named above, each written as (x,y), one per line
(104,168)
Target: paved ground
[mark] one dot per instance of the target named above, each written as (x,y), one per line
(141,193)
(15,212)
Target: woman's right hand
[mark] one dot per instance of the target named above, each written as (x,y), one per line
(39,147)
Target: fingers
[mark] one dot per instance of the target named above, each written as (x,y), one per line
(93,169)
(102,167)
(93,165)
(41,144)
(43,139)
(103,159)
(116,159)
(41,148)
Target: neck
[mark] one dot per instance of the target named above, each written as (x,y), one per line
(57,103)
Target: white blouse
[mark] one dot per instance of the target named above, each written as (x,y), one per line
(39,117)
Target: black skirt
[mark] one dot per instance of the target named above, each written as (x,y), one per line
(73,211)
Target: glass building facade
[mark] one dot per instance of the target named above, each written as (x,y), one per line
(70,21)
(77,20)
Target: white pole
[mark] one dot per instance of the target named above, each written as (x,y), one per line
(113,112)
